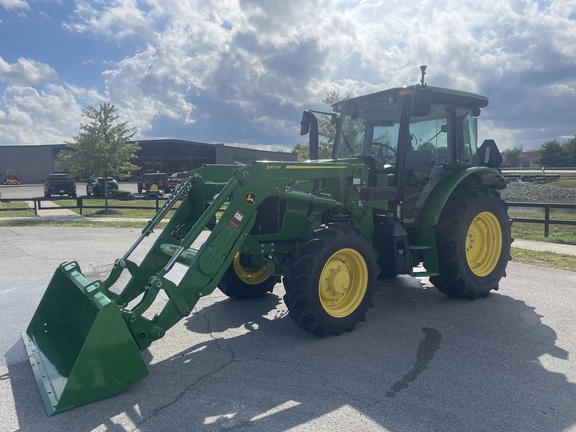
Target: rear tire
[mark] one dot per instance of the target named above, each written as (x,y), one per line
(473,242)
(243,282)
(331,280)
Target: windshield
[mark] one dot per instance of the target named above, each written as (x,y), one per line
(429,133)
(369,128)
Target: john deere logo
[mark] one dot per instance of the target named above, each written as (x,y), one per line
(250,198)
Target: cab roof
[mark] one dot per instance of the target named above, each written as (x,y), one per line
(439,95)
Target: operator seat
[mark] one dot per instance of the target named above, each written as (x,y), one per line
(418,165)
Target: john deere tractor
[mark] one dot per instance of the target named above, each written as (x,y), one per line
(407,191)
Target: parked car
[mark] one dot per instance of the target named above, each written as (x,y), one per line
(158,179)
(177,178)
(97,186)
(59,184)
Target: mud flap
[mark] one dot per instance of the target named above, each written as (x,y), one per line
(79,344)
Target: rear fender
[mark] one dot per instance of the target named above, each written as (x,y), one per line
(442,192)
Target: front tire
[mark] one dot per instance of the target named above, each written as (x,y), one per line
(243,281)
(331,280)
(473,242)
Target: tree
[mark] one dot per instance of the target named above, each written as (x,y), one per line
(569,150)
(301,151)
(551,154)
(513,157)
(326,128)
(102,147)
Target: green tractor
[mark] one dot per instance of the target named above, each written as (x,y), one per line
(407,191)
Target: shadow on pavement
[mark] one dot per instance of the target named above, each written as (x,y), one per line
(421,362)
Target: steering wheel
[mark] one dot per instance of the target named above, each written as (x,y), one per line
(384,152)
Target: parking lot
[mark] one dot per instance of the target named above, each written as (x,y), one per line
(37,190)
(420,362)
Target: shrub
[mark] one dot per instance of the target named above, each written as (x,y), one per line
(121,194)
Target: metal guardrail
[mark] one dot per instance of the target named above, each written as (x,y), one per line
(546,221)
(159,202)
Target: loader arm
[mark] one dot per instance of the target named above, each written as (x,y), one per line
(84,338)
(241,196)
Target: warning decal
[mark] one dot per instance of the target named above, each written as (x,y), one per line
(233,224)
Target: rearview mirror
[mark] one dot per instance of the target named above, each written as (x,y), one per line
(309,124)
(305,123)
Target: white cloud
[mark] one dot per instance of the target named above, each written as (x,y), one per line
(242,70)
(116,19)
(26,72)
(14,4)
(52,115)
(148,86)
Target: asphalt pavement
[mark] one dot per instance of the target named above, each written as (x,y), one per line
(420,361)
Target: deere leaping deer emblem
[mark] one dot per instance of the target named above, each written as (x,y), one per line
(250,198)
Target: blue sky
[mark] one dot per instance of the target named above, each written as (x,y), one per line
(241,71)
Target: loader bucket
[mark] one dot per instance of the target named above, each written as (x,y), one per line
(78,343)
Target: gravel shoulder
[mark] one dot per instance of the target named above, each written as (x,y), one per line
(528,192)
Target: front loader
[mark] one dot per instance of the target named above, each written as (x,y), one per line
(407,191)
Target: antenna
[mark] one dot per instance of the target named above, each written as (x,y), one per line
(423,69)
(351,90)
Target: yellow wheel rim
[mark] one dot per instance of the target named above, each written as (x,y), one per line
(250,276)
(483,244)
(343,283)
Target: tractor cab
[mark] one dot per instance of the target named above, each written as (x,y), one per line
(411,138)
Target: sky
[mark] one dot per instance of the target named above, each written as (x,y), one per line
(240,72)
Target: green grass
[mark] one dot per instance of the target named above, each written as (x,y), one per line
(16,209)
(79,223)
(558,233)
(126,212)
(569,183)
(544,259)
(564,234)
